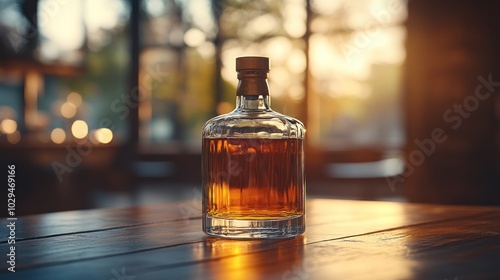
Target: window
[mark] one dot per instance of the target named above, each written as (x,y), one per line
(65,61)
(356,57)
(336,65)
(355,48)
(186,44)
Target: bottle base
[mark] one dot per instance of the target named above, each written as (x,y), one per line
(254,229)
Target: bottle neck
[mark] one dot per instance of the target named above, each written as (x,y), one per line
(253,103)
(252,92)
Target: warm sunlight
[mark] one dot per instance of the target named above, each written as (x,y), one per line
(61,23)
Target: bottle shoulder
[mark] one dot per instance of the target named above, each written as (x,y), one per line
(253,124)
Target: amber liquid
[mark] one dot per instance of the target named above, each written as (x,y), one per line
(253,179)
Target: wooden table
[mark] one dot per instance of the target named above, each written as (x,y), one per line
(343,240)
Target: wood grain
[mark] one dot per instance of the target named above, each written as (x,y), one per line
(344,239)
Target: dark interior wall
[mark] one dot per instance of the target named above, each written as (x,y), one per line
(451,101)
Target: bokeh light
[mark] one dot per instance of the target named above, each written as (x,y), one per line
(75,99)
(79,129)
(14,137)
(68,110)
(103,135)
(58,135)
(194,37)
(8,126)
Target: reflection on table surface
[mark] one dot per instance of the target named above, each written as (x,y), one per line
(344,239)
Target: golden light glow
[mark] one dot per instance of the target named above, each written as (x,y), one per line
(75,99)
(58,135)
(68,110)
(294,18)
(79,129)
(8,126)
(103,135)
(14,137)
(241,263)
(62,23)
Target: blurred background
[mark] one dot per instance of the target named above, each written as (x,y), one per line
(102,102)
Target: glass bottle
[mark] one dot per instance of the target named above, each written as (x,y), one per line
(253,164)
